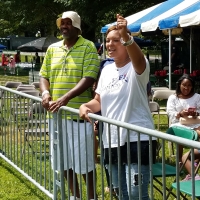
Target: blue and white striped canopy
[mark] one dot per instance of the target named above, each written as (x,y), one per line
(166,15)
(2,46)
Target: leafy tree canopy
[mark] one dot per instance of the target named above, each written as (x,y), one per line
(26,17)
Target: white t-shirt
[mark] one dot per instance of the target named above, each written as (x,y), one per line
(123,95)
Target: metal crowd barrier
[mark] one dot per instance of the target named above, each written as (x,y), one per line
(24,144)
(24,137)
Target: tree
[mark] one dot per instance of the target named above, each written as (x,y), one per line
(26,17)
(97,13)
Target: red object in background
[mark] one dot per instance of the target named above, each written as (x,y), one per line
(175,71)
(185,71)
(157,73)
(194,73)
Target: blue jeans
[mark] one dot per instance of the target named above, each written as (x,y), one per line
(124,176)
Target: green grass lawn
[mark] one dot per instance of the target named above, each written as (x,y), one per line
(15,186)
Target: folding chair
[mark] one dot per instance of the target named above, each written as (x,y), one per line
(12,84)
(23,87)
(20,105)
(170,171)
(186,187)
(155,110)
(36,84)
(159,88)
(37,128)
(162,94)
(4,95)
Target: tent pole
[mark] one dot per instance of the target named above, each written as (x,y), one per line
(104,49)
(190,50)
(170,70)
(32,69)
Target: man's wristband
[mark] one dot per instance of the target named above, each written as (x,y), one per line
(45,92)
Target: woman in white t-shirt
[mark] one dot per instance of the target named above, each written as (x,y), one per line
(121,94)
(185,102)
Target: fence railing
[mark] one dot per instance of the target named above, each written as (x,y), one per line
(25,143)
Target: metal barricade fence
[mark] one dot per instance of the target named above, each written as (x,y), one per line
(25,139)
(159,184)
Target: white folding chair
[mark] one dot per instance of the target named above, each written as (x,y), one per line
(36,84)
(163,95)
(155,110)
(12,84)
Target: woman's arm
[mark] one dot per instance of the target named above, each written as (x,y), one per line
(172,112)
(134,51)
(92,106)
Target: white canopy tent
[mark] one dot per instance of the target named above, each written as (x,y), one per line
(168,15)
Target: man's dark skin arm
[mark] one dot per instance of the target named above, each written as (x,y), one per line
(44,85)
(53,106)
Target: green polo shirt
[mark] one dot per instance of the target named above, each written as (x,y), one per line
(65,68)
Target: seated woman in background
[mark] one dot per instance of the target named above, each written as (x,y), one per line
(179,103)
(188,164)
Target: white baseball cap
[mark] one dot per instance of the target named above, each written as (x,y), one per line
(76,20)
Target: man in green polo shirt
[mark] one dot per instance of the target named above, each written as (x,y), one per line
(69,69)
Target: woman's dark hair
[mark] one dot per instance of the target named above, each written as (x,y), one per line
(178,83)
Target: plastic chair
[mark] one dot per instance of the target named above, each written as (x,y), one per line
(25,87)
(12,84)
(163,95)
(159,88)
(19,106)
(36,84)
(9,84)
(170,171)
(186,187)
(37,128)
(155,110)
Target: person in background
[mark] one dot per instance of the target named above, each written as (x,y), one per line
(17,57)
(188,164)
(178,104)
(37,58)
(37,61)
(12,65)
(121,94)
(3,59)
(175,55)
(68,72)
